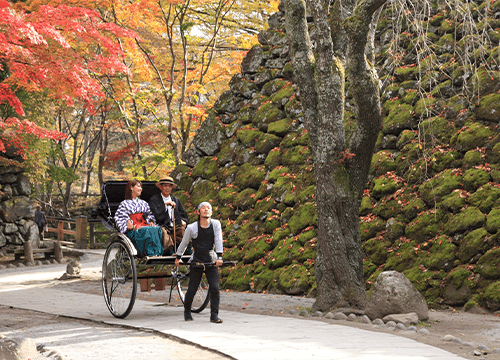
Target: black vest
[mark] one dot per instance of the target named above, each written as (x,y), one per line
(203,244)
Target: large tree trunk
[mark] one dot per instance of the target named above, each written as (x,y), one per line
(341,165)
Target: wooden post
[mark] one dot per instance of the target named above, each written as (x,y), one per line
(91,234)
(60,229)
(28,253)
(81,232)
(58,253)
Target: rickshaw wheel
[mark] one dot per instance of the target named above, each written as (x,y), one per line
(201,299)
(119,279)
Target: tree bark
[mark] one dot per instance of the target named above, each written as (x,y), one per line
(341,165)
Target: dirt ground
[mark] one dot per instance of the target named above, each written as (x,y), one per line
(478,329)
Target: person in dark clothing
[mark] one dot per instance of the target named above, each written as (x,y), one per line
(205,234)
(165,207)
(40,220)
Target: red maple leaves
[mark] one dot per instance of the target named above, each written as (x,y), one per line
(59,50)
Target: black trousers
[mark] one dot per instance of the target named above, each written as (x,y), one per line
(195,274)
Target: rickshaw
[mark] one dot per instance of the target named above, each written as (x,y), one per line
(120,275)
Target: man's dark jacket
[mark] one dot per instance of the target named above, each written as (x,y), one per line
(161,215)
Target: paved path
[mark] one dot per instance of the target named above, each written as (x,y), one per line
(241,336)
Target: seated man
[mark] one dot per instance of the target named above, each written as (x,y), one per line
(165,207)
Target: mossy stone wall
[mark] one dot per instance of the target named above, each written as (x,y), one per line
(431,208)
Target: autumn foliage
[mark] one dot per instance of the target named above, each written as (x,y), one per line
(58,50)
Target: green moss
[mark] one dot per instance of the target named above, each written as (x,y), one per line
(245,114)
(436,129)
(485,198)
(227,153)
(239,278)
(277,172)
(283,254)
(485,82)
(248,135)
(424,107)
(293,108)
(262,278)
(283,95)
(399,119)
(387,208)
(182,175)
(280,234)
(491,296)
(368,269)
(410,96)
(493,221)
(391,91)
(382,162)
(281,127)
(288,70)
(265,115)
(406,137)
(204,191)
(370,228)
(272,223)
(245,199)
(404,73)
(473,158)
(394,230)
(295,279)
(453,202)
(207,168)
(273,86)
(376,250)
(306,236)
(223,102)
(256,249)
(384,185)
(273,159)
(233,253)
(473,136)
(402,257)
(389,105)
(408,155)
(425,226)
(413,206)
(303,217)
(474,243)
(488,265)
(469,219)
(295,138)
(248,231)
(299,155)
(266,143)
(440,185)
(475,178)
(489,107)
(366,206)
(441,254)
(250,176)
(226,195)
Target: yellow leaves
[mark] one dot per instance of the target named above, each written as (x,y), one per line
(194,110)
(196,87)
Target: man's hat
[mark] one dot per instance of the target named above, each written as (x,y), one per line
(167,180)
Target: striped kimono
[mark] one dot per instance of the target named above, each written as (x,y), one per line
(146,239)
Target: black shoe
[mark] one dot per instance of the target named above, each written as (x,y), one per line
(216,321)
(188,317)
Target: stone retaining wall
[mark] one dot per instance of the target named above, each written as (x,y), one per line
(16,210)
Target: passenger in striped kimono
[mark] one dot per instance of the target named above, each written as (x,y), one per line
(135,219)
